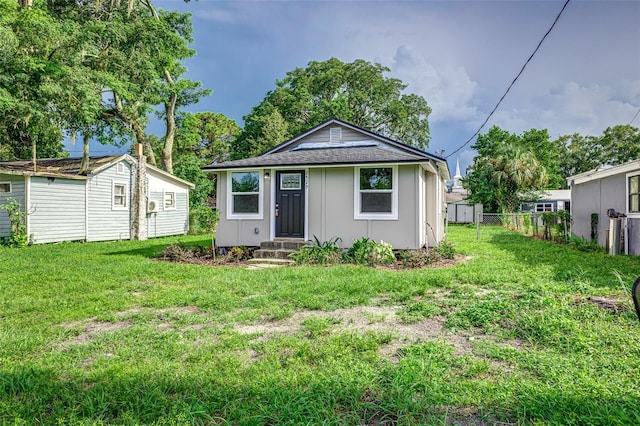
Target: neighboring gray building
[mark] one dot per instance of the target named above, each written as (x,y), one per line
(63,205)
(600,190)
(549,201)
(335,180)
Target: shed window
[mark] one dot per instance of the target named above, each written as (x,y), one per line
(5,187)
(169,200)
(245,195)
(119,195)
(634,194)
(376,195)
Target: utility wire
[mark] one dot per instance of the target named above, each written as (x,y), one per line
(635,116)
(513,82)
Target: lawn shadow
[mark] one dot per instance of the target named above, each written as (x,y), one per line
(567,263)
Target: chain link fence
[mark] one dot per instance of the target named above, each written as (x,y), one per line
(548,225)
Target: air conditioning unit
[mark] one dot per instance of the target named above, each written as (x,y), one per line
(152,206)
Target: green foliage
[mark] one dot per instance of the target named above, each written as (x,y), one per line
(446,249)
(18,226)
(557,225)
(189,169)
(617,145)
(582,244)
(510,169)
(366,251)
(356,92)
(319,253)
(239,254)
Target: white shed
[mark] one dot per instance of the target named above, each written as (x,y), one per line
(63,205)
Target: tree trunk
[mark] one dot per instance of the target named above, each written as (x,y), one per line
(84,163)
(26,3)
(141,138)
(170,109)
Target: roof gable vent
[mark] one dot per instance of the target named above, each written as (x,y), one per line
(335,134)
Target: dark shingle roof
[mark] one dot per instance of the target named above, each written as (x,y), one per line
(325,156)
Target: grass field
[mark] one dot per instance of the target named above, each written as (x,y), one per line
(102,333)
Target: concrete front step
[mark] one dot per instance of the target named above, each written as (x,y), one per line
(257,263)
(293,244)
(272,254)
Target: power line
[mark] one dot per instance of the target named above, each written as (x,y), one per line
(513,82)
(634,117)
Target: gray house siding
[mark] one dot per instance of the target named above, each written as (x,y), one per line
(331,209)
(17,193)
(235,232)
(168,221)
(597,196)
(105,222)
(56,209)
(323,135)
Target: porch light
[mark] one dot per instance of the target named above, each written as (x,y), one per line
(267,176)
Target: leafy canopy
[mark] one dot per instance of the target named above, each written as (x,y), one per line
(356,92)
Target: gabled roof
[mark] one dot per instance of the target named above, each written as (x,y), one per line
(334,154)
(603,172)
(68,167)
(319,157)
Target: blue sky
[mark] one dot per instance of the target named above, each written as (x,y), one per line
(459,55)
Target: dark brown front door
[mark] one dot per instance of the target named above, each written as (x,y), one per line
(290,204)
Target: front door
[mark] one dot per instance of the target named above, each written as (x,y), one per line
(290,204)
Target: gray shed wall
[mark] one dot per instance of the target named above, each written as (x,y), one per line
(168,221)
(596,197)
(56,210)
(105,223)
(17,193)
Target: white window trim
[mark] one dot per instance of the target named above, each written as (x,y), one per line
(357,215)
(236,216)
(113,195)
(544,205)
(634,215)
(120,168)
(10,188)
(164,200)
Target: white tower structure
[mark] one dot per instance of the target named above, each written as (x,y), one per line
(457,179)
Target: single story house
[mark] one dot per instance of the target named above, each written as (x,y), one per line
(609,191)
(334,180)
(63,205)
(549,201)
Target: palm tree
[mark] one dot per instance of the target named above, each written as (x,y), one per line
(516,173)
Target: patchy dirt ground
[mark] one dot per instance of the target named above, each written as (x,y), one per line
(359,319)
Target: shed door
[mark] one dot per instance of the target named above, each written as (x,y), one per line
(290,204)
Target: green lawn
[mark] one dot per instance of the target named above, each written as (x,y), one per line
(102,333)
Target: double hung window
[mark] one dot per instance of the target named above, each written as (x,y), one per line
(376,192)
(245,194)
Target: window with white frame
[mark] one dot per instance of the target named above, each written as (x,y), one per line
(119,193)
(5,187)
(376,192)
(634,194)
(120,168)
(245,194)
(544,207)
(169,200)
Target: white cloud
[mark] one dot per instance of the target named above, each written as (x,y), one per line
(573,108)
(448,89)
